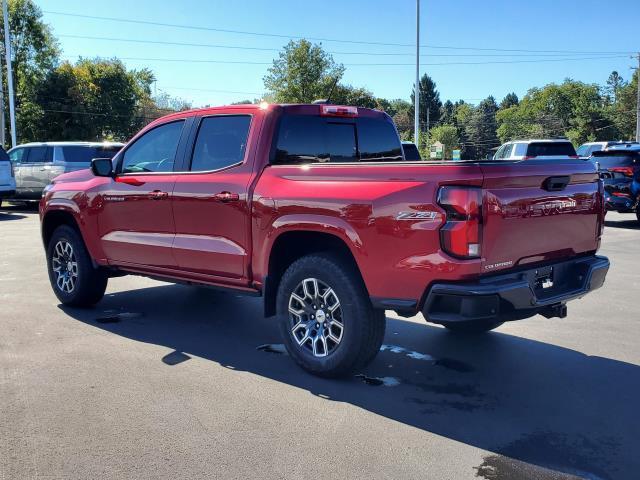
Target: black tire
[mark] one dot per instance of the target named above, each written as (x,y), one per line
(474,327)
(89,283)
(363,326)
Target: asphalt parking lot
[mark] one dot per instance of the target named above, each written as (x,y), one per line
(166,381)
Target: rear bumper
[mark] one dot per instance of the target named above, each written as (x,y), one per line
(516,295)
(619,204)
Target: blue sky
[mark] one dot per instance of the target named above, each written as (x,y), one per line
(540,25)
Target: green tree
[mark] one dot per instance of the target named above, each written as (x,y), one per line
(448,113)
(35,52)
(572,109)
(614,83)
(93,100)
(482,129)
(448,136)
(510,100)
(429,100)
(624,114)
(302,73)
(358,97)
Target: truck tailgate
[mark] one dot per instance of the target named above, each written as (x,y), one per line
(537,211)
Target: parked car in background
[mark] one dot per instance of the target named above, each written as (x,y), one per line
(587,149)
(619,168)
(411,152)
(538,149)
(7,177)
(314,208)
(36,164)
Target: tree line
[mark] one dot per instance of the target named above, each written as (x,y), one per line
(579,111)
(97,99)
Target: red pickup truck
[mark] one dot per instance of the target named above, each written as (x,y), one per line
(314,208)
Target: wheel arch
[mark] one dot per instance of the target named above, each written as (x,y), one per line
(291,245)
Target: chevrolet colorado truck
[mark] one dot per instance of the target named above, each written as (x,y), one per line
(314,208)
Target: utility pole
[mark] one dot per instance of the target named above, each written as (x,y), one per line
(7,53)
(638,102)
(428,112)
(416,96)
(2,137)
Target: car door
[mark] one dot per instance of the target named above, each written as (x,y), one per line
(211,202)
(36,175)
(18,159)
(135,219)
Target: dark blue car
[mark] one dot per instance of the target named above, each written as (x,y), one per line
(619,168)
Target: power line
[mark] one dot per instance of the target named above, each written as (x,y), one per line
(319,39)
(244,62)
(263,49)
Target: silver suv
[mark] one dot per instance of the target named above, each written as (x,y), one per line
(538,149)
(36,164)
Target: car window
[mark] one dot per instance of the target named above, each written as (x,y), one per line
(411,152)
(594,148)
(498,154)
(378,141)
(83,153)
(506,153)
(155,151)
(309,139)
(520,150)
(550,149)
(17,155)
(36,155)
(221,142)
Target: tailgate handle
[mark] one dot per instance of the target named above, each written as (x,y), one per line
(556,184)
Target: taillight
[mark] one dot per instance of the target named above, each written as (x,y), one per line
(460,235)
(528,157)
(626,171)
(338,111)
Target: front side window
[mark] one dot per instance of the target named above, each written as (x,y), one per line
(17,155)
(506,153)
(221,142)
(520,150)
(155,151)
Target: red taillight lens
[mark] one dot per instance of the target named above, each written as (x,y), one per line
(460,235)
(626,171)
(338,111)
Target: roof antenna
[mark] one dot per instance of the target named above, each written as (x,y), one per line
(323,101)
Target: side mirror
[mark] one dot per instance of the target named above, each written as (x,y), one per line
(102,167)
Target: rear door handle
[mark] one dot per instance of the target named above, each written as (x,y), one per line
(227,197)
(158,195)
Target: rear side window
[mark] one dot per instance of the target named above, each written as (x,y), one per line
(154,151)
(82,154)
(551,149)
(311,139)
(37,155)
(520,150)
(411,152)
(221,142)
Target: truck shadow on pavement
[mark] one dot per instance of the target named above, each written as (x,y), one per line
(626,224)
(524,400)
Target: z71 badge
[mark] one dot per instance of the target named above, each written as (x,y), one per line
(417,216)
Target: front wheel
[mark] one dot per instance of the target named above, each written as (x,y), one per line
(74,279)
(474,327)
(326,319)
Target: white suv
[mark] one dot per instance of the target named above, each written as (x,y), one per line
(538,149)
(7,177)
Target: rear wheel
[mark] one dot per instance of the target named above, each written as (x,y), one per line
(471,327)
(74,279)
(325,316)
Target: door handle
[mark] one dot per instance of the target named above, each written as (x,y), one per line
(227,197)
(158,195)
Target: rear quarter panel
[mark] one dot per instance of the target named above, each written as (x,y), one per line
(360,204)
